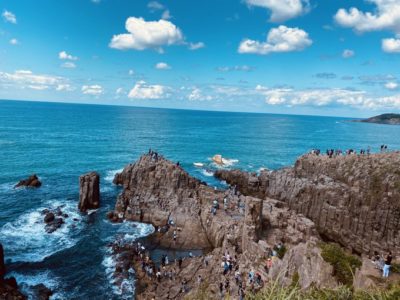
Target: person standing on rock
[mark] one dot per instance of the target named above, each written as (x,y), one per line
(388,263)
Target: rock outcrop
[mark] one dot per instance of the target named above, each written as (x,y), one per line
(8,286)
(181,208)
(89,191)
(354,199)
(32,181)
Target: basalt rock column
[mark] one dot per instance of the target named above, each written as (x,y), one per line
(89,191)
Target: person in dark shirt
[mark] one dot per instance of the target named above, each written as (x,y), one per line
(388,263)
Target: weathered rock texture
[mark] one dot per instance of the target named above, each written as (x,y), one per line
(31,181)
(89,191)
(8,286)
(353,200)
(157,191)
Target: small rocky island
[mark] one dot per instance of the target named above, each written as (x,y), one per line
(389,119)
(270,227)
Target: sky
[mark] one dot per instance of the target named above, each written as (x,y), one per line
(318,57)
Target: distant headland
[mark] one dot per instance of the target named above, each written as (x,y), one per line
(389,119)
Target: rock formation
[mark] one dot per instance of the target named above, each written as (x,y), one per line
(8,286)
(89,191)
(354,199)
(31,181)
(54,219)
(159,192)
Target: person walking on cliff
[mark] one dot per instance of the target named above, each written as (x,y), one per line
(388,263)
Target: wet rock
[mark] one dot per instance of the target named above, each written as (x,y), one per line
(2,263)
(54,225)
(49,217)
(42,292)
(31,181)
(89,191)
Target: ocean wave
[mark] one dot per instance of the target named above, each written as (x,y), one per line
(128,232)
(111,174)
(27,240)
(226,163)
(207,173)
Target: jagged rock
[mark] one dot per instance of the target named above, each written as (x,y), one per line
(54,225)
(49,217)
(8,286)
(42,292)
(89,191)
(31,181)
(353,199)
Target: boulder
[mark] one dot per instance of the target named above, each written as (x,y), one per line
(49,217)
(89,191)
(31,181)
(42,292)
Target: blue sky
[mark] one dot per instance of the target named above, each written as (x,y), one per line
(322,57)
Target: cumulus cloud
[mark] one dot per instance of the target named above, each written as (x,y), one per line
(9,17)
(391,85)
(197,95)
(95,90)
(68,65)
(196,46)
(280,39)
(162,66)
(147,35)
(142,90)
(27,79)
(391,45)
(386,16)
(63,55)
(14,42)
(282,10)
(347,53)
(324,97)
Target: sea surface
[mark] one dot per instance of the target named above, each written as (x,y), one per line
(59,142)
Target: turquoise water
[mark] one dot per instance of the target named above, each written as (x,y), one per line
(61,141)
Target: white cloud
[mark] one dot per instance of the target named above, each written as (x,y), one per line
(68,65)
(14,42)
(131,72)
(282,10)
(64,87)
(196,46)
(155,5)
(243,68)
(386,16)
(65,56)
(119,91)
(197,95)
(162,66)
(94,90)
(166,15)
(391,85)
(27,79)
(280,39)
(141,90)
(147,35)
(8,16)
(391,45)
(348,53)
(324,97)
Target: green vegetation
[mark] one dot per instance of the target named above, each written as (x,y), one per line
(344,265)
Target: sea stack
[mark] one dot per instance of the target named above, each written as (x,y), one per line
(89,191)
(31,181)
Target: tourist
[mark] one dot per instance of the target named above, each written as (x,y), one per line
(199,279)
(175,236)
(388,263)
(221,289)
(180,262)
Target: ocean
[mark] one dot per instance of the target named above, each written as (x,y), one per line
(59,142)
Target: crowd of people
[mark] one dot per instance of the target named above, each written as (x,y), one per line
(383,263)
(338,152)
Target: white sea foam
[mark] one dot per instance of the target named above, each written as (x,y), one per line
(27,239)
(207,173)
(111,174)
(226,163)
(129,231)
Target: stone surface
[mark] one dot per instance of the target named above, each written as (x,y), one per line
(42,292)
(158,191)
(89,191)
(354,199)
(31,181)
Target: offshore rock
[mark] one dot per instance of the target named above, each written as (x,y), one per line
(89,191)
(31,181)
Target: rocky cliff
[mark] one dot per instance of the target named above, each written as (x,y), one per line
(353,199)
(8,286)
(160,192)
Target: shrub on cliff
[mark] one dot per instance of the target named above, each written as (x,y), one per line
(344,265)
